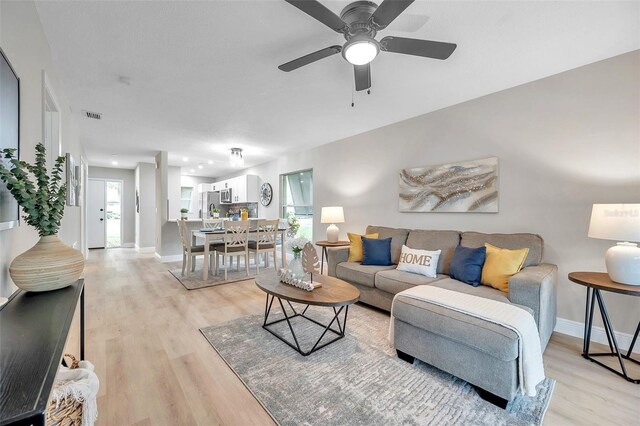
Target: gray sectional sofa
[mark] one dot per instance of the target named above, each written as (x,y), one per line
(482,353)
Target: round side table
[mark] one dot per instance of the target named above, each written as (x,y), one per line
(325,245)
(596,282)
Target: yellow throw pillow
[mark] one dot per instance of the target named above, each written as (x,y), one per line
(500,264)
(355,248)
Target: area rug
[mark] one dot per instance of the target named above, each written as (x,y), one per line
(194,281)
(357,380)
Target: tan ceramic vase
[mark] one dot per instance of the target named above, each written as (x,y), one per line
(49,265)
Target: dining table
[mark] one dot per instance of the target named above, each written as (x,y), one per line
(210,235)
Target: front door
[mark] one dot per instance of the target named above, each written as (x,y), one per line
(96,205)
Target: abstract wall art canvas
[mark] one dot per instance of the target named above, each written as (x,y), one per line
(468,186)
(72,180)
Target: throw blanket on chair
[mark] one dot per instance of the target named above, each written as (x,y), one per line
(530,368)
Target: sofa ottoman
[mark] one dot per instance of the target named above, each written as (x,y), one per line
(478,351)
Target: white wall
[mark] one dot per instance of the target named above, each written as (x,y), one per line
(194,181)
(127,177)
(564,143)
(146,218)
(23,42)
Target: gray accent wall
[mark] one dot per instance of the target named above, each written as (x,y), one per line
(25,45)
(127,177)
(563,142)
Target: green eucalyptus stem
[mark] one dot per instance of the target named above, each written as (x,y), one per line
(43,200)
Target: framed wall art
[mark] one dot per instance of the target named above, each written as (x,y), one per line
(468,186)
(9,136)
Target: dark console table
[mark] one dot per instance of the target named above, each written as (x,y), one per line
(33,333)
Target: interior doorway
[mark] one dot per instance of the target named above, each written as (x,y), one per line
(104,213)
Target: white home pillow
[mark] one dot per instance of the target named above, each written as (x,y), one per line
(423,262)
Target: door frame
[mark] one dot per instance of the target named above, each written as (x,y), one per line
(121,181)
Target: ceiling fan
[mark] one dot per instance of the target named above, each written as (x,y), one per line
(359,22)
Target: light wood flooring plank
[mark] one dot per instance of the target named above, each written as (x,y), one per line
(156,368)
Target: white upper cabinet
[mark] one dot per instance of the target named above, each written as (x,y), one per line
(205,187)
(244,189)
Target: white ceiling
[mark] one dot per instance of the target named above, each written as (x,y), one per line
(203,76)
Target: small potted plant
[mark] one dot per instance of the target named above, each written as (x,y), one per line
(50,264)
(297,245)
(244,214)
(183,214)
(215,213)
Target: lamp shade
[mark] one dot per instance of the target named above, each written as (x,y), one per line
(332,215)
(618,222)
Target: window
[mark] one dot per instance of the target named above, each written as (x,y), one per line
(297,203)
(185,197)
(114,214)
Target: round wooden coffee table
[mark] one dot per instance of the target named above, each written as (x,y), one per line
(334,293)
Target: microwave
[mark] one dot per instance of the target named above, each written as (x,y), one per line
(225,196)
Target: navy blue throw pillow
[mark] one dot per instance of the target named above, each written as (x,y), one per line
(466,265)
(376,251)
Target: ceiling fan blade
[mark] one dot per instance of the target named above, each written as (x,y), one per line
(388,11)
(363,76)
(412,46)
(311,57)
(319,12)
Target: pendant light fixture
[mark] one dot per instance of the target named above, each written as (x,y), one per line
(235,158)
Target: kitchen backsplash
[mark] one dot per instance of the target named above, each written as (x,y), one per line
(234,209)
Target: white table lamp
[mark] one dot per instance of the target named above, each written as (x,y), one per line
(619,222)
(332,215)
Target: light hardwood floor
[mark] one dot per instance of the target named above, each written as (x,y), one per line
(142,334)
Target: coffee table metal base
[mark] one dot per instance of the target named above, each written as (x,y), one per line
(327,327)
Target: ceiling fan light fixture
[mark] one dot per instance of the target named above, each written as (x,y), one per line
(235,157)
(360,51)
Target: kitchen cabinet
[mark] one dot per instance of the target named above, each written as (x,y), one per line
(244,189)
(205,187)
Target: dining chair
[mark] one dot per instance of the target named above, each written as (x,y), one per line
(235,244)
(189,250)
(265,242)
(213,223)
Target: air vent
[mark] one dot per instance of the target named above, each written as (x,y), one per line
(94,115)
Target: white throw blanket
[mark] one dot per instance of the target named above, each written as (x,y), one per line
(80,384)
(530,367)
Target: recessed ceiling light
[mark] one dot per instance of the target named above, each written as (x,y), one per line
(210,161)
(192,170)
(185,159)
(200,166)
(115,163)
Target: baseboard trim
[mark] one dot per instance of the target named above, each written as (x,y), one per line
(171,258)
(145,249)
(598,335)
(128,245)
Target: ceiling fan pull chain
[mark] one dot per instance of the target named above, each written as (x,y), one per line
(352,103)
